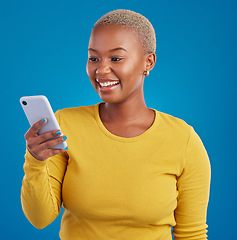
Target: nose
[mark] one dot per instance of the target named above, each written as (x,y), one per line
(103,68)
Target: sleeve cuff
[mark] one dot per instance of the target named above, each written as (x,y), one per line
(32,160)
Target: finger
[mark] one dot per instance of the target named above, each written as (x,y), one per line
(51,143)
(35,143)
(40,149)
(49,153)
(34,129)
(48,135)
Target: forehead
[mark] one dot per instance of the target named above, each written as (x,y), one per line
(111,36)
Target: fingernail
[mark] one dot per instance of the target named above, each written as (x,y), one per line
(66,148)
(64,138)
(58,132)
(43,120)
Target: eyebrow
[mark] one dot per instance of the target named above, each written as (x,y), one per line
(112,50)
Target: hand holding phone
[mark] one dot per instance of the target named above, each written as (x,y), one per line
(44,138)
(40,146)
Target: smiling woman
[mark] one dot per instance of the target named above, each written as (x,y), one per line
(131,172)
(116,55)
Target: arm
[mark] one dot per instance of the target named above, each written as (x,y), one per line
(41,188)
(193,187)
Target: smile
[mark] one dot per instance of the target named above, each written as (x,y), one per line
(108,83)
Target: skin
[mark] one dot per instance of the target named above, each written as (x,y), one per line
(124,112)
(115,54)
(39,145)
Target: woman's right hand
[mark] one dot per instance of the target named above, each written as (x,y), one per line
(39,145)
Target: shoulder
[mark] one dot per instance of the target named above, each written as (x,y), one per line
(183,135)
(82,113)
(174,124)
(74,111)
(172,133)
(183,139)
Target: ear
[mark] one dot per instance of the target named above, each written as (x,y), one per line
(150,61)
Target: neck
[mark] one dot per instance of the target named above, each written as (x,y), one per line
(125,112)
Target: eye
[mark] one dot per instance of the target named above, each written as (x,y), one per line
(93,59)
(116,59)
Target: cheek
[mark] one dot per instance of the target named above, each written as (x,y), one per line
(90,69)
(131,70)
(91,74)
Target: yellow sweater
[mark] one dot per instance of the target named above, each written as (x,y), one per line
(115,188)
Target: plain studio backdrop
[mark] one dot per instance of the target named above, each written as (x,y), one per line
(43,50)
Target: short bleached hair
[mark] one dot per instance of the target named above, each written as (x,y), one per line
(135,21)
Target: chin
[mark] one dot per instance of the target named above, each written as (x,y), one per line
(110,99)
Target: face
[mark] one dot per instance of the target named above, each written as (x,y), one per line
(116,63)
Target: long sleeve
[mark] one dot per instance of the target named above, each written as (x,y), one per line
(41,188)
(193,187)
(121,188)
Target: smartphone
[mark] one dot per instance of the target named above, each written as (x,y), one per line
(38,107)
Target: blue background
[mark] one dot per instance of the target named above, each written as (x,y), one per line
(43,50)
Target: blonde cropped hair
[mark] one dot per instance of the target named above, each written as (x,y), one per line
(135,21)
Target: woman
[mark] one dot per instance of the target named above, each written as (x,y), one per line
(130,172)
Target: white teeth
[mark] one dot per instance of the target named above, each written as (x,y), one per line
(105,84)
